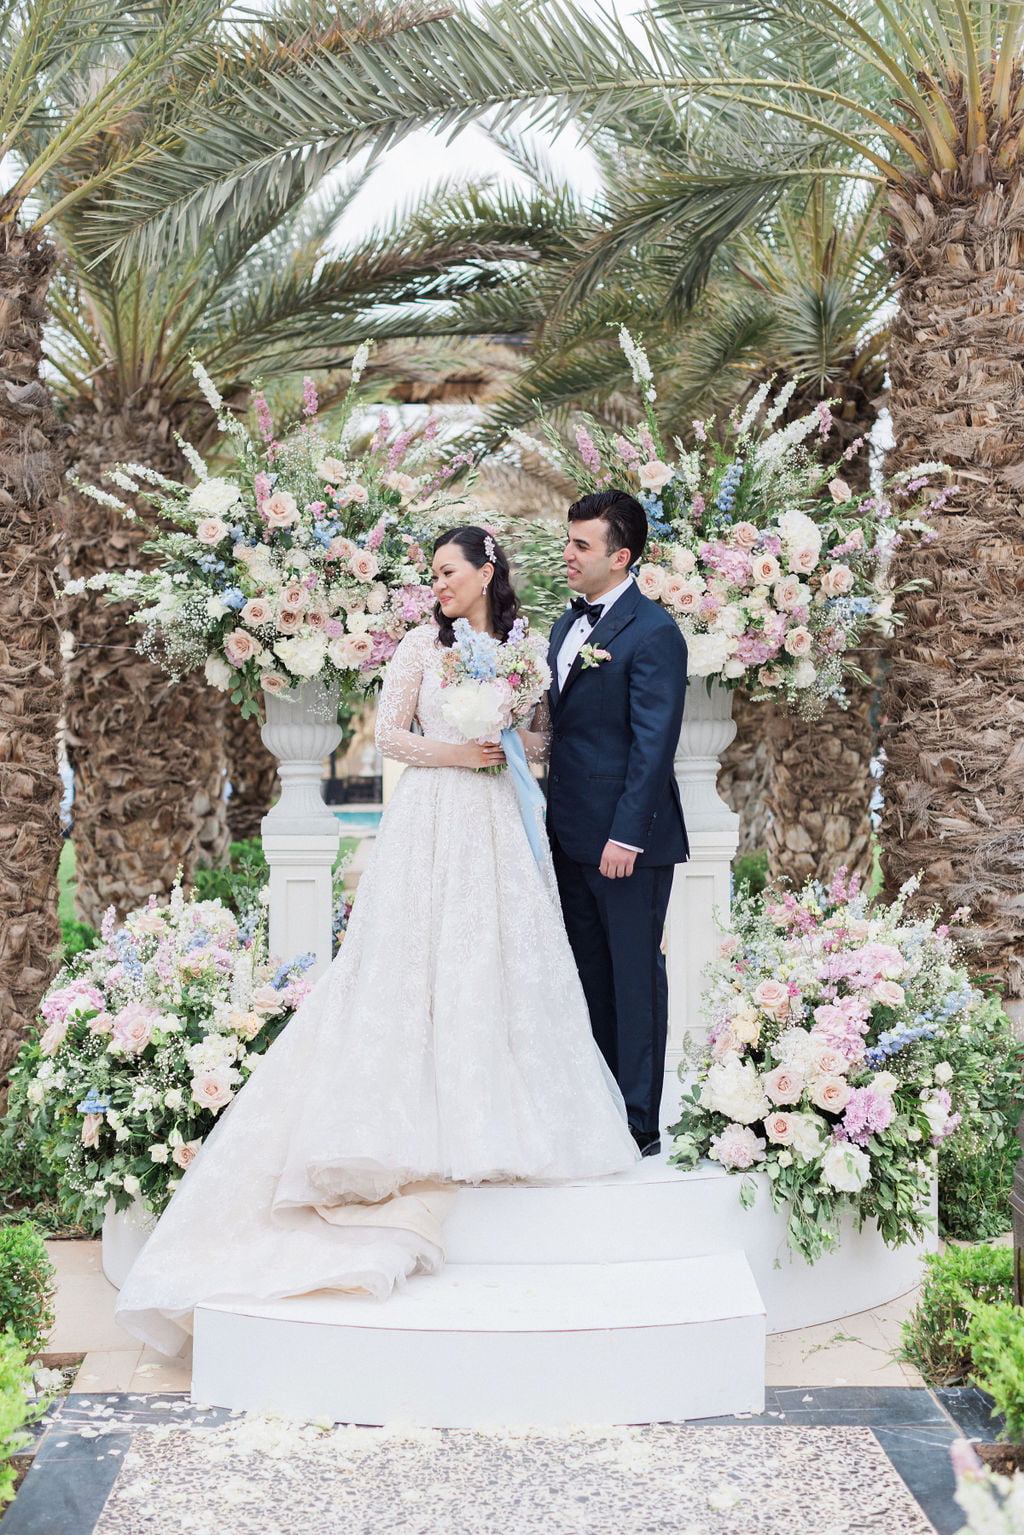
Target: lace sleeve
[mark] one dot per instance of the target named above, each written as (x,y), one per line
(537,740)
(396,710)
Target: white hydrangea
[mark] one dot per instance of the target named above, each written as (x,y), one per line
(213,497)
(304,654)
(734,1088)
(708,653)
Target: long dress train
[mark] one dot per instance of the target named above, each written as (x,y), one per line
(448,1043)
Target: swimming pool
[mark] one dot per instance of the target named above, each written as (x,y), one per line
(358,820)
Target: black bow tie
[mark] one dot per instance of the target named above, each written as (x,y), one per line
(590,610)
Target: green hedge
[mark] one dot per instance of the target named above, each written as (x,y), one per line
(996,1341)
(26,1287)
(936,1335)
(16,1410)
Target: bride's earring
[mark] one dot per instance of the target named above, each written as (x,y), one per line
(483,589)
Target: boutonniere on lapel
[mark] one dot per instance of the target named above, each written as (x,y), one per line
(593,655)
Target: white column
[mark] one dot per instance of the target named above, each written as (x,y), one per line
(300,834)
(703,885)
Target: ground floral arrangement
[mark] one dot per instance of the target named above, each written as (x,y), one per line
(143,1041)
(994,1504)
(772,566)
(304,562)
(845,1041)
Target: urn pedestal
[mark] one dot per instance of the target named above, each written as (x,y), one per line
(300,833)
(702,886)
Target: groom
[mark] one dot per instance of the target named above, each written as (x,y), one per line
(618,666)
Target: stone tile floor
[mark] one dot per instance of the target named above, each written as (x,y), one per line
(849,1444)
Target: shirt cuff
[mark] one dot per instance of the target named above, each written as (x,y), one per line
(627,845)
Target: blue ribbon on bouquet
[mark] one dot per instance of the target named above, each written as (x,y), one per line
(531,800)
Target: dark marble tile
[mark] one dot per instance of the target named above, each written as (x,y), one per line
(920,1456)
(971,1411)
(872,1406)
(67,1485)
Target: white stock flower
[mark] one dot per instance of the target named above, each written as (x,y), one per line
(845,1167)
(212,497)
(206,385)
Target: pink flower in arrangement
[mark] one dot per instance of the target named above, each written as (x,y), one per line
(363,565)
(310,403)
(588,450)
(700,431)
(626,451)
(375,537)
(262,486)
(264,420)
(333,629)
(185,1154)
(773,998)
(280,510)
(380,436)
(240,647)
(91,1126)
(784,1085)
(737,1147)
(866,1113)
(398,449)
(744,535)
(53,1037)
(824,419)
(647,443)
(753,651)
(698,505)
(430,430)
(289,620)
(133,1027)
(384,647)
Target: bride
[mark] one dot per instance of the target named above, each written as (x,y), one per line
(447,1044)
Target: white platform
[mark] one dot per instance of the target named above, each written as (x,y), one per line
(509,1343)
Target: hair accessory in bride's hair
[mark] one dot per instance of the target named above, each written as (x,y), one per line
(490,548)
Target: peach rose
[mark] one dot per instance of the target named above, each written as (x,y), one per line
(53,1037)
(280,510)
(340,548)
(363,565)
(784,1085)
(103,1023)
(829,1063)
(744,535)
(91,1126)
(838,490)
(803,560)
(403,483)
(786,593)
(684,595)
(765,568)
(256,612)
(184,1154)
(889,993)
(316,618)
(289,621)
(211,530)
(831,1093)
(239,647)
(837,581)
(768,677)
(772,998)
(294,595)
(650,580)
(778,1127)
(725,1044)
(266,1000)
(332,469)
(273,682)
(655,475)
(133,1027)
(152,922)
(376,597)
(351,650)
(353,495)
(684,561)
(212,1089)
(797,641)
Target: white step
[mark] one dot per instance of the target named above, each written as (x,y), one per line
(481,1344)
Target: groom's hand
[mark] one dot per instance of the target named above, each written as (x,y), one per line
(616,861)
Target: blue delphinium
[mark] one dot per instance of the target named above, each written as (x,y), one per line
(478,652)
(726,498)
(894,1040)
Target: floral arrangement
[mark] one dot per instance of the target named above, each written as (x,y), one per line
(994,1504)
(770,563)
(302,562)
(143,1041)
(491,685)
(831,1026)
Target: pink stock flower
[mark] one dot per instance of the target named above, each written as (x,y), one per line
(262,486)
(264,420)
(310,403)
(375,537)
(588,450)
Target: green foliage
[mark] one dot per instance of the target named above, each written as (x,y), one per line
(238,882)
(28,1181)
(996,1341)
(750,873)
(16,1410)
(976,1165)
(26,1286)
(76,937)
(935,1335)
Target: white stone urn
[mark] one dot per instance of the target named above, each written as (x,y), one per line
(300,833)
(125,1233)
(704,885)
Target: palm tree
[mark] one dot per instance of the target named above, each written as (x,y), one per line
(56,104)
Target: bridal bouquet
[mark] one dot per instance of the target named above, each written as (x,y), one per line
(489,685)
(302,561)
(838,1055)
(143,1041)
(769,562)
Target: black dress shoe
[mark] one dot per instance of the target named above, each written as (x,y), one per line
(648,1141)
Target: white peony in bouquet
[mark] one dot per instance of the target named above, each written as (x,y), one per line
(305,561)
(489,685)
(833,1025)
(771,565)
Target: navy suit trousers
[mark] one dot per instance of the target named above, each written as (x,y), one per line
(615,928)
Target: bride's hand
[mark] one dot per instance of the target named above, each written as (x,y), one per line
(483,754)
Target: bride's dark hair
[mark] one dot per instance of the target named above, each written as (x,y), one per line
(477,545)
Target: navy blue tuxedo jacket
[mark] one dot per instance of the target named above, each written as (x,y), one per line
(615,728)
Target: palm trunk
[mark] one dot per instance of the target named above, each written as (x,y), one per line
(954,738)
(252,772)
(148,752)
(30,663)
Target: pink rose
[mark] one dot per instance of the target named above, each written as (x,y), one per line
(889,993)
(651,581)
(744,535)
(256,612)
(797,641)
(784,1085)
(768,677)
(239,647)
(294,595)
(211,530)
(772,998)
(363,565)
(684,561)
(831,1093)
(266,1000)
(376,597)
(786,593)
(655,475)
(803,560)
(53,1037)
(183,1155)
(353,494)
(212,1089)
(725,1043)
(685,596)
(289,621)
(133,1027)
(779,1128)
(101,1024)
(765,569)
(280,510)
(274,683)
(340,548)
(91,1130)
(737,1147)
(837,581)
(350,651)
(316,618)
(839,491)
(829,1063)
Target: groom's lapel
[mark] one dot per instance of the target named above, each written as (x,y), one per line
(604,631)
(559,630)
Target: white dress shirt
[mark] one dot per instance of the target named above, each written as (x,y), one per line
(578,636)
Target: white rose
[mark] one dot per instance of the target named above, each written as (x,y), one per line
(808,1135)
(213,497)
(733,668)
(219,673)
(684,561)
(211,530)
(943,1072)
(131,1185)
(803,674)
(884,1082)
(159,1153)
(845,1167)
(174,1099)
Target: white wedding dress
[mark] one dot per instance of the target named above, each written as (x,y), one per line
(448,1043)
